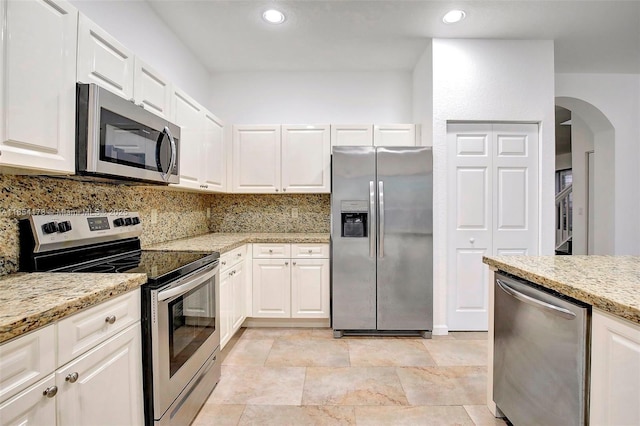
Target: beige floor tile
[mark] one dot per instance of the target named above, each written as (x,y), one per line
(389,352)
(469,335)
(457,352)
(411,416)
(218,415)
(249,352)
(259,385)
(444,385)
(308,353)
(282,415)
(322,333)
(481,416)
(353,386)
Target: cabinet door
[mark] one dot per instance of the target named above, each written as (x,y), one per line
(104,60)
(38,88)
(352,134)
(226,306)
(239,295)
(213,157)
(189,116)
(394,135)
(306,159)
(108,388)
(32,406)
(256,159)
(151,90)
(271,288)
(615,371)
(310,288)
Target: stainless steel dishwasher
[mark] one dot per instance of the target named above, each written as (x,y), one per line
(541,362)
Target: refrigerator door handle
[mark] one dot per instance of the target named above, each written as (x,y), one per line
(372,219)
(381,219)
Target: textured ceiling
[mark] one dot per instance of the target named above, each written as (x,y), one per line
(341,35)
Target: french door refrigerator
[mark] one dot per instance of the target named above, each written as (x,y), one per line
(382,240)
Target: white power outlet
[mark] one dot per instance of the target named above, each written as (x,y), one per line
(208,212)
(294,212)
(154,216)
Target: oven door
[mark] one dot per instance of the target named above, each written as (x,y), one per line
(185,333)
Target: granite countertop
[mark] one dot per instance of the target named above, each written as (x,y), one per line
(609,283)
(224,242)
(32,300)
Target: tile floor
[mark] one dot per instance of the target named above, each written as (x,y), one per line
(306,377)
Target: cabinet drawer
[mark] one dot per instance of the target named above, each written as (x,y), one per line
(230,258)
(271,251)
(305,251)
(31,407)
(84,330)
(25,360)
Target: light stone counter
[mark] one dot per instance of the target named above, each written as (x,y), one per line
(32,300)
(610,283)
(223,242)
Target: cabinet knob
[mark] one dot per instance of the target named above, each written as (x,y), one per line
(310,251)
(472,240)
(50,392)
(270,251)
(223,262)
(239,254)
(71,377)
(277,190)
(110,319)
(286,263)
(132,100)
(230,273)
(294,263)
(284,189)
(141,105)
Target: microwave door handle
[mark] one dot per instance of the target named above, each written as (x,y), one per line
(172,162)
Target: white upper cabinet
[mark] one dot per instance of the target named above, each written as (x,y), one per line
(189,116)
(103,60)
(306,159)
(151,90)
(214,166)
(394,134)
(37,123)
(352,134)
(256,159)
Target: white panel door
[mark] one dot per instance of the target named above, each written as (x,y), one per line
(189,116)
(271,288)
(31,406)
(394,135)
(104,60)
(493,206)
(239,296)
(226,306)
(37,130)
(310,288)
(306,159)
(351,135)
(213,161)
(470,201)
(151,90)
(256,159)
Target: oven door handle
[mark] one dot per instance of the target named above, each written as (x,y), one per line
(187,286)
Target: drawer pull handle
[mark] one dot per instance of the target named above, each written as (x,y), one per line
(286,263)
(50,392)
(110,319)
(310,251)
(71,377)
(270,251)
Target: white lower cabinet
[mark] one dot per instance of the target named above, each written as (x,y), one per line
(31,406)
(615,371)
(291,281)
(233,293)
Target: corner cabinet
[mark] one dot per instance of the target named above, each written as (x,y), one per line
(37,126)
(233,293)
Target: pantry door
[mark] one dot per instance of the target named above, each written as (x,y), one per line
(493,210)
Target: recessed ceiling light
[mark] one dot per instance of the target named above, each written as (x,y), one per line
(454,16)
(273,16)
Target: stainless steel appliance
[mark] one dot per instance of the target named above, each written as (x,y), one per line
(540,366)
(382,240)
(180,306)
(119,140)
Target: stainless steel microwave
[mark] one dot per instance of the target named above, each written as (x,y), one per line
(119,140)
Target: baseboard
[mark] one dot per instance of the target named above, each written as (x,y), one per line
(287,322)
(440,330)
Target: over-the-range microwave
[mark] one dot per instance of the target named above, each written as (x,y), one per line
(119,140)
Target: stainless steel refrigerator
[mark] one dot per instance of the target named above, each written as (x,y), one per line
(382,240)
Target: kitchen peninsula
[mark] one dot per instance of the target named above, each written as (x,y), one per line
(610,284)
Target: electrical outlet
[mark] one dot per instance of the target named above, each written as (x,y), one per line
(154,216)
(294,212)
(208,212)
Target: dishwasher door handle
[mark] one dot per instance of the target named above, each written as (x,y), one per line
(557,310)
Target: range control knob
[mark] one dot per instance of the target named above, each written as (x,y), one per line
(135,220)
(64,226)
(50,227)
(118,222)
(127,221)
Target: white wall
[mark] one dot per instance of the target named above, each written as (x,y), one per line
(490,80)
(617,97)
(423,95)
(581,143)
(137,26)
(312,97)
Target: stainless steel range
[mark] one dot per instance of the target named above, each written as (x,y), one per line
(180,320)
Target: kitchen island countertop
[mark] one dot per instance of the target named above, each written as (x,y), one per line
(609,283)
(29,301)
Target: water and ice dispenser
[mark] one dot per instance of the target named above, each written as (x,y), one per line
(354,218)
